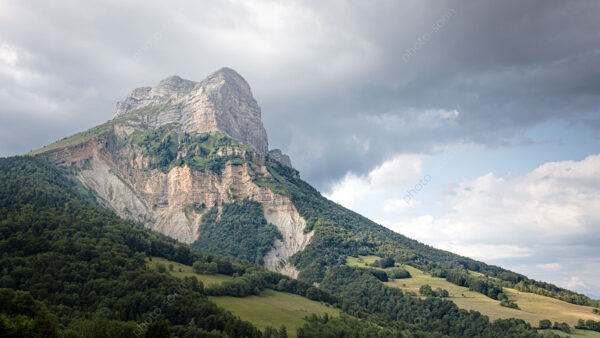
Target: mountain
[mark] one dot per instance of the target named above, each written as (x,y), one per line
(73,269)
(191,161)
(172,152)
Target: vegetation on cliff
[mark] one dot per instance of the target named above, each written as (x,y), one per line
(240,230)
(207,151)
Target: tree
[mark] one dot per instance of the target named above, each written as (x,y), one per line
(44,325)
(383,263)
(161,267)
(564,327)
(269,332)
(213,268)
(545,324)
(398,273)
(426,290)
(158,329)
(439,292)
(283,332)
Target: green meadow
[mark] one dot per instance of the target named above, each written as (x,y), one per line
(533,307)
(270,308)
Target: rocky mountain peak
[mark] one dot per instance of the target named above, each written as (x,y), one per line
(222,102)
(229,77)
(176,84)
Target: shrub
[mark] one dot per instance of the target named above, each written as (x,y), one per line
(545,324)
(564,327)
(398,273)
(509,303)
(161,267)
(384,263)
(426,290)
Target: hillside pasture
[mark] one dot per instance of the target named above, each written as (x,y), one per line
(533,307)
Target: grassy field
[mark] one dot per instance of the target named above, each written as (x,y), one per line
(362,261)
(181,270)
(575,333)
(533,308)
(273,308)
(270,308)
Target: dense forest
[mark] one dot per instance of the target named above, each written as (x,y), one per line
(241,231)
(72,269)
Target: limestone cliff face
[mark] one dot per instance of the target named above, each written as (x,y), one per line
(221,102)
(282,158)
(120,173)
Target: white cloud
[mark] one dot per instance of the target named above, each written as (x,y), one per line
(550,266)
(547,215)
(395,173)
(489,251)
(399,206)
(573,283)
(8,54)
(553,203)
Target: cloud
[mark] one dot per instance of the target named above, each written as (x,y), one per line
(550,266)
(558,202)
(573,283)
(550,215)
(334,90)
(399,206)
(394,173)
(8,55)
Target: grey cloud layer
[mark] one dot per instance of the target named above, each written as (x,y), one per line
(337,90)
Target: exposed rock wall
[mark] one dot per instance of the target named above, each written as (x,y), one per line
(173,203)
(223,101)
(282,158)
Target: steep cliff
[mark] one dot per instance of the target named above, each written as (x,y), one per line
(173,151)
(221,102)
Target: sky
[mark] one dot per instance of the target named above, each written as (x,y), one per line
(470,126)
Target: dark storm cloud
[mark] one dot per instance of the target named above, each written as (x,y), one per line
(343,85)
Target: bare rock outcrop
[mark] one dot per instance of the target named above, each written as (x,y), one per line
(221,102)
(282,158)
(173,203)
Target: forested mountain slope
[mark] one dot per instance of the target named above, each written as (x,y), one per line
(70,268)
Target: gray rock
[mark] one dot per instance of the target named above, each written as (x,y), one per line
(282,158)
(222,102)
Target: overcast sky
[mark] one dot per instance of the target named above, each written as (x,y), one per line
(471,126)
